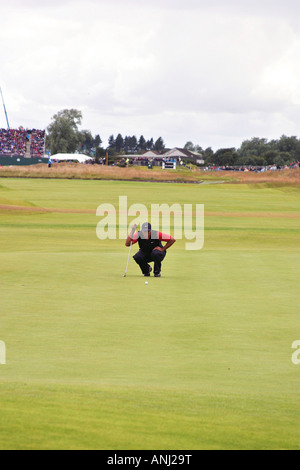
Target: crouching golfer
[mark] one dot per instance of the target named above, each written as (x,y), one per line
(151,248)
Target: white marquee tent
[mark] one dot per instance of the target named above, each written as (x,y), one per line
(71,157)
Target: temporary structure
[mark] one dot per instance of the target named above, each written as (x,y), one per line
(62,157)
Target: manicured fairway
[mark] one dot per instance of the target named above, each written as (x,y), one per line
(199,359)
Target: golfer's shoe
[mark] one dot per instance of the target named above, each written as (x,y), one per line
(148,274)
(157,274)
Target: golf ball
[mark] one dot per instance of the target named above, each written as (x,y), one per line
(146,283)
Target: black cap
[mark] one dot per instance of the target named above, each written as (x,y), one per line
(146,227)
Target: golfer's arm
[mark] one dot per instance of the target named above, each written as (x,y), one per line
(129,238)
(169,243)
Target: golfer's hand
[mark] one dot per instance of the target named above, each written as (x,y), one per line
(129,239)
(158,248)
(133,229)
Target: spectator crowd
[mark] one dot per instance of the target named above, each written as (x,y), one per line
(13,142)
(37,144)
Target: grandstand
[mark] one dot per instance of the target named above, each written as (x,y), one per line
(21,146)
(22,143)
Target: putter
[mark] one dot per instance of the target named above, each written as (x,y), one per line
(124,275)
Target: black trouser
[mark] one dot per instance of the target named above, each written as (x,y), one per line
(142,259)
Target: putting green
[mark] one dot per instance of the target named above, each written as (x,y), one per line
(198,359)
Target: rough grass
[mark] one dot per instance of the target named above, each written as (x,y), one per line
(100,172)
(274,177)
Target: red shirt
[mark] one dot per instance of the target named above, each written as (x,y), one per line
(160,236)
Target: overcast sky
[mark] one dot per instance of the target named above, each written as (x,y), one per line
(213,72)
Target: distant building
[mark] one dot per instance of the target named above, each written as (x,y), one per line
(176,154)
(179,153)
(151,154)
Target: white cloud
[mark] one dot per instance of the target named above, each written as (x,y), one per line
(209,72)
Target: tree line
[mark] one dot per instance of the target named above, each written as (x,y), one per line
(132,145)
(64,136)
(253,152)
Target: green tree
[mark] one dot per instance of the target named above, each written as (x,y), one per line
(126,145)
(119,143)
(63,134)
(270,156)
(189,146)
(97,141)
(111,142)
(252,147)
(260,161)
(150,144)
(193,148)
(87,141)
(289,145)
(159,145)
(287,157)
(245,161)
(132,144)
(279,160)
(226,156)
(100,153)
(208,155)
(199,149)
(142,144)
